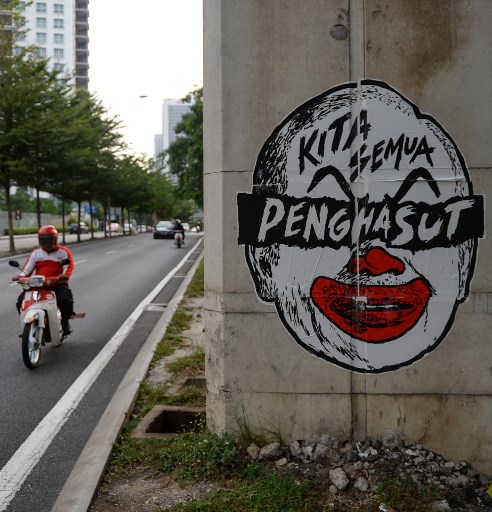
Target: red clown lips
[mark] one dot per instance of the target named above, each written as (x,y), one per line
(372,313)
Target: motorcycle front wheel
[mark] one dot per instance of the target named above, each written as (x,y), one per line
(32,337)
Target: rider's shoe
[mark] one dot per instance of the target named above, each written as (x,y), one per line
(66,328)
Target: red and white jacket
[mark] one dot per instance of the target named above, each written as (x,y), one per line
(45,263)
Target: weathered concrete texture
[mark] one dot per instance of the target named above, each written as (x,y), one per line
(437,53)
(257,362)
(288,415)
(262,60)
(456,426)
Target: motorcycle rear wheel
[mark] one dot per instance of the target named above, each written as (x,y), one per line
(32,336)
(178,242)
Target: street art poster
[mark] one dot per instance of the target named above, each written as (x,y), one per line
(362,227)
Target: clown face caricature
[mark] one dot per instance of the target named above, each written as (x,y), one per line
(362,227)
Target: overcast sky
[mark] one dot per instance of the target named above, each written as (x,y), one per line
(149,48)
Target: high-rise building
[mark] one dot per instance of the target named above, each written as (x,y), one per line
(59,29)
(82,44)
(158,145)
(172,113)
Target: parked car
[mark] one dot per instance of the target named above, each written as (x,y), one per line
(114,227)
(75,228)
(164,229)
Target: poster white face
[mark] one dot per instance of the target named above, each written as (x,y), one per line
(362,227)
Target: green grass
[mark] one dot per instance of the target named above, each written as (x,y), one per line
(268,491)
(199,454)
(180,321)
(196,286)
(191,396)
(404,495)
(192,363)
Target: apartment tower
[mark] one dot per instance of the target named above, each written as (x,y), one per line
(59,28)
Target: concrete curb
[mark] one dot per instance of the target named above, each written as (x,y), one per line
(79,489)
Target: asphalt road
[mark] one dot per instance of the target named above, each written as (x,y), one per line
(111,278)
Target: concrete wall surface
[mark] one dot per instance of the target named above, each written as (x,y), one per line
(276,358)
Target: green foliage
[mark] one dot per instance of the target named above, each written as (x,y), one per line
(402,493)
(190,396)
(191,363)
(185,155)
(150,396)
(196,286)
(260,491)
(28,231)
(198,454)
(180,321)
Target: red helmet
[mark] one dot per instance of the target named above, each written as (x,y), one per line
(48,237)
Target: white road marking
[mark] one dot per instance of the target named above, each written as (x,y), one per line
(18,468)
(110,252)
(81,261)
(132,245)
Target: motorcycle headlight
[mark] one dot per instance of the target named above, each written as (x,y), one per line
(36,281)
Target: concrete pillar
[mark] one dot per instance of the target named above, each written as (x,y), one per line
(263,60)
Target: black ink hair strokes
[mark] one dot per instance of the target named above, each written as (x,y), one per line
(362,227)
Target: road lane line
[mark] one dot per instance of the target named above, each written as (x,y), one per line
(81,261)
(20,465)
(110,252)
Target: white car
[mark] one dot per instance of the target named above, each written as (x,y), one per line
(186,226)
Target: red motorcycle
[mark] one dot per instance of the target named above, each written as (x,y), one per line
(39,315)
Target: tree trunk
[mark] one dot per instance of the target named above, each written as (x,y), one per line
(92,219)
(9,216)
(109,216)
(105,223)
(79,210)
(38,208)
(63,219)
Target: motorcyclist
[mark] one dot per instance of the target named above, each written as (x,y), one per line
(179,227)
(45,260)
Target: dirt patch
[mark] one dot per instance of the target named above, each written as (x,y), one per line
(147,491)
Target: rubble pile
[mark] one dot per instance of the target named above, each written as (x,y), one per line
(359,467)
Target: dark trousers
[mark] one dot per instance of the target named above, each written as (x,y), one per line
(64,299)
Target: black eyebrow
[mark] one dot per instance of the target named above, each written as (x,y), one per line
(330,170)
(410,180)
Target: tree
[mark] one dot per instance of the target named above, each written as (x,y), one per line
(185,155)
(26,89)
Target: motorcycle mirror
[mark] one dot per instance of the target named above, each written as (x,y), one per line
(14,263)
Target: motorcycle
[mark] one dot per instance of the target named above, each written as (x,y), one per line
(39,315)
(178,238)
